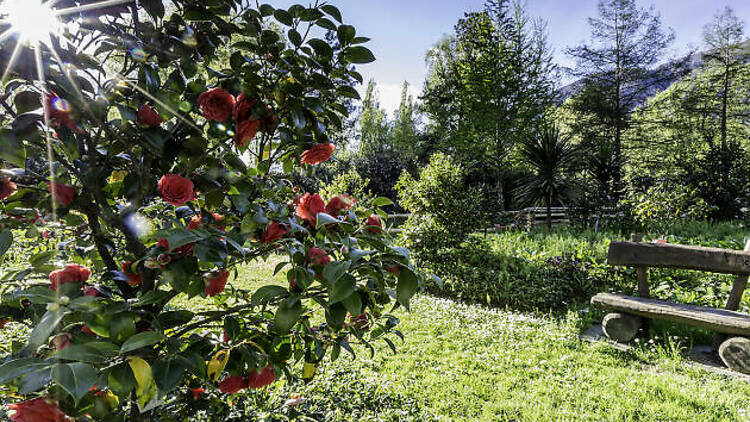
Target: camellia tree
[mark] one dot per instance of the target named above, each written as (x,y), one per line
(144,156)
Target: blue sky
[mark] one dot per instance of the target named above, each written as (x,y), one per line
(403,30)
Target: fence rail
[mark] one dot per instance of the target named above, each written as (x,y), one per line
(532,216)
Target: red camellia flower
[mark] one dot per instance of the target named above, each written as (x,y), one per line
(176,190)
(309,207)
(247,125)
(147,116)
(339,203)
(133,278)
(318,153)
(59,111)
(246,131)
(7,187)
(374,224)
(393,269)
(182,250)
(216,283)
(274,232)
(318,256)
(225,337)
(232,384)
(72,273)
(197,392)
(86,330)
(3,322)
(62,193)
(261,379)
(37,410)
(217,104)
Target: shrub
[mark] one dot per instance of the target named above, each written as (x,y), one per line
(350,183)
(660,206)
(443,211)
(145,196)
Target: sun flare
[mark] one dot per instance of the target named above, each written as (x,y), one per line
(32,20)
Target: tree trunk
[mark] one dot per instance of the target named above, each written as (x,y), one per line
(549,212)
(724,101)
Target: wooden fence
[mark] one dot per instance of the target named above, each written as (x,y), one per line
(532,216)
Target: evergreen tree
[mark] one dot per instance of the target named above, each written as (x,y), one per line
(618,71)
(723,37)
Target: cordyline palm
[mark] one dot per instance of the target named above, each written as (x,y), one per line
(550,155)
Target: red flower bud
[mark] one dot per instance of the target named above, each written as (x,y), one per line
(147,116)
(317,256)
(373,224)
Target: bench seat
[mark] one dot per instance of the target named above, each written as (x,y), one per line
(719,320)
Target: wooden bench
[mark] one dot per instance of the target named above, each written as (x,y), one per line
(632,313)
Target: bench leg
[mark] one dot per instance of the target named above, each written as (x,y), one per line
(735,353)
(620,327)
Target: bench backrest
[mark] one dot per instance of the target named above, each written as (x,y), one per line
(668,255)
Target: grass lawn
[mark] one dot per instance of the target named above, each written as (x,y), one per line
(465,362)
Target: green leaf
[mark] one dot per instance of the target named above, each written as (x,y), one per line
(6,240)
(146,338)
(174,318)
(348,92)
(359,55)
(266,294)
(92,352)
(321,47)
(336,315)
(345,34)
(168,374)
(408,284)
(283,16)
(181,237)
(27,101)
(11,148)
(342,288)
(334,270)
(295,37)
(121,380)
(298,118)
(45,327)
(16,368)
(75,378)
(122,327)
(287,315)
(381,202)
(353,304)
(155,8)
(323,219)
(333,11)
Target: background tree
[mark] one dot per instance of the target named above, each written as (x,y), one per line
(373,122)
(488,85)
(618,71)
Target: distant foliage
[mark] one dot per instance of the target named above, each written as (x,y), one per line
(659,207)
(351,183)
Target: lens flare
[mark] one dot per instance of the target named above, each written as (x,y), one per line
(32,20)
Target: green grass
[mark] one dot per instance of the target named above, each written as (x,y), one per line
(463,362)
